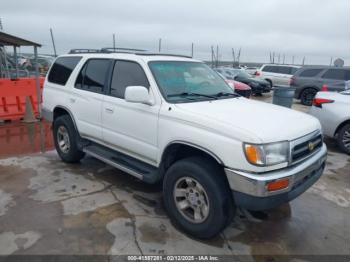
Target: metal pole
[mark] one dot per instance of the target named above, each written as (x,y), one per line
(53,43)
(217,55)
(114,42)
(331,61)
(192,50)
(293,60)
(15,58)
(38,91)
(160,45)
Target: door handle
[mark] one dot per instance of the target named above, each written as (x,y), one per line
(109,110)
(72,100)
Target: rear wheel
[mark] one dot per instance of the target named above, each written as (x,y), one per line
(197,197)
(65,138)
(344,138)
(307,95)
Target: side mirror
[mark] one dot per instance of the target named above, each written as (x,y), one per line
(137,94)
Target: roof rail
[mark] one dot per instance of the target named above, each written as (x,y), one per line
(109,50)
(164,54)
(121,50)
(83,51)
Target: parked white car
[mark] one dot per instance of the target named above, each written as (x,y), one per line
(333,111)
(277,75)
(173,119)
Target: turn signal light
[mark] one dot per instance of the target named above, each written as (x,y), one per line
(318,102)
(253,154)
(277,185)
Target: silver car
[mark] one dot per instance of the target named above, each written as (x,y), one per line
(333,111)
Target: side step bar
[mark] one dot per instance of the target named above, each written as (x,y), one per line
(130,165)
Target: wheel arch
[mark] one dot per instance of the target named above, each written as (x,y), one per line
(60,111)
(340,126)
(178,150)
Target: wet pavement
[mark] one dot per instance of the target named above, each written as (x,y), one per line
(49,207)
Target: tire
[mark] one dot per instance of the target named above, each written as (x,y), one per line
(213,188)
(343,138)
(64,131)
(307,95)
(270,82)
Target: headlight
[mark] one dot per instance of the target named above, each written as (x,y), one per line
(267,154)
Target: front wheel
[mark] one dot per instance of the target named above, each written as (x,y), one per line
(197,197)
(307,95)
(344,138)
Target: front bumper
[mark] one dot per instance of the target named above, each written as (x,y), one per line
(250,190)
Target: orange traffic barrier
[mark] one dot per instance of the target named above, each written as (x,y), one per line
(13,95)
(19,139)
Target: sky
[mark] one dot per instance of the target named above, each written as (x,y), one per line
(314,29)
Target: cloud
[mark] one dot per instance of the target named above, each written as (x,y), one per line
(317,29)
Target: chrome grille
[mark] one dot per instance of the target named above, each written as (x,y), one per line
(305,148)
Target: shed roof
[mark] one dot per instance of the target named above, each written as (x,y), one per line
(11,40)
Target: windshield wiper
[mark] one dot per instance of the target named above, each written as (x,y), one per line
(221,94)
(186,94)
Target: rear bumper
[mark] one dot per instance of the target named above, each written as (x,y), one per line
(250,190)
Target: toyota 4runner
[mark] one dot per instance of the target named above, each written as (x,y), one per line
(172,119)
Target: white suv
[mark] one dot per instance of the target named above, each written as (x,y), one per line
(173,119)
(277,75)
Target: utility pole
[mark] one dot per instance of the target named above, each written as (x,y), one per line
(113,42)
(331,61)
(293,60)
(1,27)
(53,43)
(160,45)
(217,55)
(234,58)
(284,58)
(192,47)
(303,61)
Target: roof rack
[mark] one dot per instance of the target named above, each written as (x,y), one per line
(108,50)
(121,50)
(83,51)
(164,54)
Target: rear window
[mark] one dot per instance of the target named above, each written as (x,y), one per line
(336,74)
(310,72)
(62,69)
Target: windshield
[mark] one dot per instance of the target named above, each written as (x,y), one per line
(181,81)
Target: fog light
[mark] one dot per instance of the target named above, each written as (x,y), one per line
(277,185)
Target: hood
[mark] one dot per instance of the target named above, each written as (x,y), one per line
(241,86)
(248,120)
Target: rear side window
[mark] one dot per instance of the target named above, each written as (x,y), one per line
(271,69)
(127,73)
(285,70)
(93,75)
(62,69)
(335,74)
(310,72)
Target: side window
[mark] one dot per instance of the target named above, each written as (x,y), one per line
(285,70)
(92,76)
(347,75)
(336,74)
(271,69)
(127,73)
(62,69)
(310,72)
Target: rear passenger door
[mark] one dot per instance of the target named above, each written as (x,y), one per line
(130,128)
(335,79)
(87,97)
